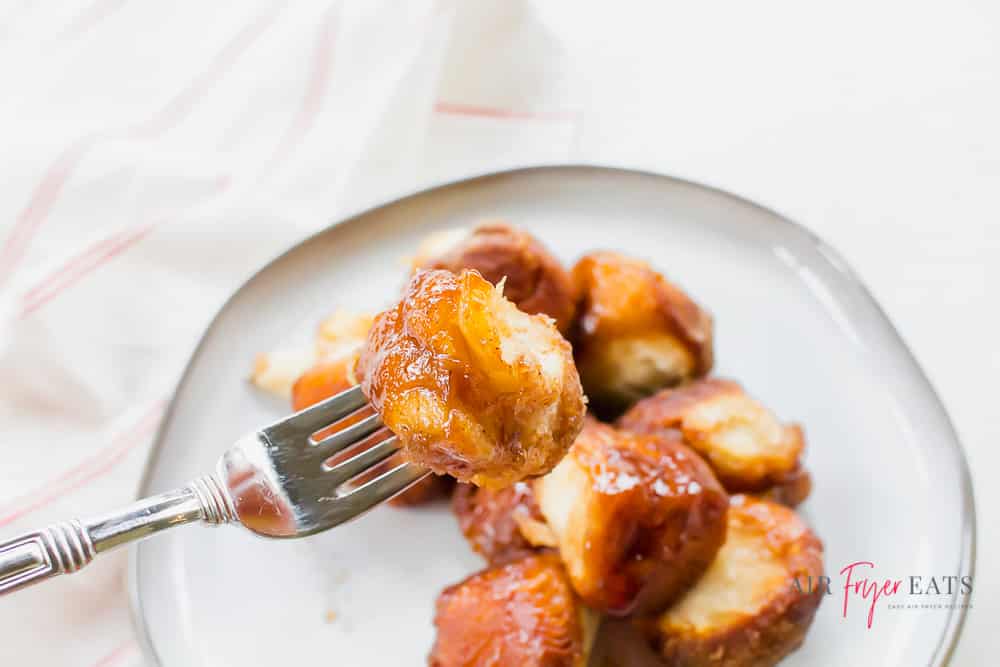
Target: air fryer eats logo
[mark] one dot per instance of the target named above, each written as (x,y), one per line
(861,588)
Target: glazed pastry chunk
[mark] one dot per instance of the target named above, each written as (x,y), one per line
(638,518)
(338,340)
(472,386)
(329,378)
(746,445)
(501,525)
(533,278)
(635,333)
(791,489)
(745,611)
(325,379)
(523,614)
(342,334)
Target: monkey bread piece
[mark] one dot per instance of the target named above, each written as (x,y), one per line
(635,333)
(501,525)
(746,445)
(325,379)
(637,517)
(523,614)
(275,371)
(472,386)
(533,278)
(747,610)
(329,378)
(342,334)
(437,244)
(792,489)
(338,341)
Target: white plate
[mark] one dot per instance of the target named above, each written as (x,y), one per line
(793,324)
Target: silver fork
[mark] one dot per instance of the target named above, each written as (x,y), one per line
(277,482)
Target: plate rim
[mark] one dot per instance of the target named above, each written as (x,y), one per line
(949,639)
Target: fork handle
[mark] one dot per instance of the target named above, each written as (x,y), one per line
(66,547)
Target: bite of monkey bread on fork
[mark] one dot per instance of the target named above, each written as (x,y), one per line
(472,386)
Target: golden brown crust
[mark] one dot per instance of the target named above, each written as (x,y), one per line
(746,445)
(745,611)
(635,333)
(533,278)
(638,518)
(523,614)
(495,521)
(472,386)
(792,489)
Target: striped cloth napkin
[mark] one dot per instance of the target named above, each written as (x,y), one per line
(154,155)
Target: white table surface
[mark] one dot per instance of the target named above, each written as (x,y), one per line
(873,124)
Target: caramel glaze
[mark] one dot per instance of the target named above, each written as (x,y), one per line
(523,614)
(438,369)
(534,280)
(745,611)
(654,518)
(491,520)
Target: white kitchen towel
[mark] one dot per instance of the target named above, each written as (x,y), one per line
(154,155)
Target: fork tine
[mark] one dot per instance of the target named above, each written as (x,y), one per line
(340,509)
(306,422)
(386,485)
(350,435)
(342,472)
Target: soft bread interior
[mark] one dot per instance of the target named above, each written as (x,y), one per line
(739,583)
(563,496)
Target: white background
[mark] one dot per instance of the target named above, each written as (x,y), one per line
(152,154)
